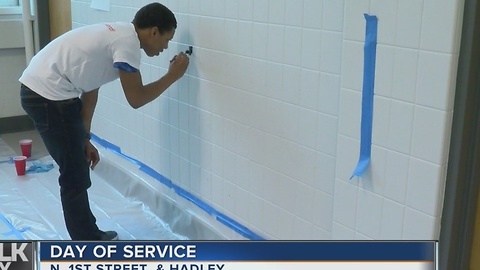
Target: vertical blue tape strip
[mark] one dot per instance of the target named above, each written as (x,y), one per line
(370,53)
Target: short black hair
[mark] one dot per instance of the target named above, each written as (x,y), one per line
(155,15)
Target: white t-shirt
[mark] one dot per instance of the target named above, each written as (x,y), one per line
(82,60)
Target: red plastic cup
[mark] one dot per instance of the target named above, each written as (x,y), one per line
(20,164)
(26,147)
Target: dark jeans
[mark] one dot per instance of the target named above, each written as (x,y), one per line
(61,128)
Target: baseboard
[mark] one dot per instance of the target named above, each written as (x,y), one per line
(15,124)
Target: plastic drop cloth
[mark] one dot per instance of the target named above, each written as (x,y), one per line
(122,198)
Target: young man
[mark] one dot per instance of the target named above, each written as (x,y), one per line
(60,88)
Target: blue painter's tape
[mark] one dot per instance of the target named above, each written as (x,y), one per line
(189,196)
(106,144)
(151,172)
(24,229)
(115,149)
(232,224)
(370,53)
(238,227)
(13,231)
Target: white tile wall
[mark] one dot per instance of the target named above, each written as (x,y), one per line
(265,125)
(12,65)
(391,226)
(408,30)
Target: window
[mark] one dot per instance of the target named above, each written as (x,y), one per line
(9,3)
(10,7)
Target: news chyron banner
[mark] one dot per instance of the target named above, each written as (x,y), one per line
(17,255)
(236,255)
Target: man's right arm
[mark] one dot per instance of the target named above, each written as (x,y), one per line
(138,94)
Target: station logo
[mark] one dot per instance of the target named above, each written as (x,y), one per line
(16,256)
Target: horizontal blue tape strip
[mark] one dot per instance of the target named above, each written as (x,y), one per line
(238,227)
(232,224)
(370,51)
(198,202)
(146,169)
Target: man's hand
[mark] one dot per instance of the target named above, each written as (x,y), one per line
(178,66)
(91,154)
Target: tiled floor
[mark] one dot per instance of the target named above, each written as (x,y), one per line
(38,148)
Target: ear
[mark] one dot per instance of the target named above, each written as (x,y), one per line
(154,31)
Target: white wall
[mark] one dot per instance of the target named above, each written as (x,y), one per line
(265,126)
(12,64)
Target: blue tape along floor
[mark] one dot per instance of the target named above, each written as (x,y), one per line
(121,197)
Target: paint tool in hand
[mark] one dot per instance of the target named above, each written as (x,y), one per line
(189,52)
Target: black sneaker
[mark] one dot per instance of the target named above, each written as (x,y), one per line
(109,235)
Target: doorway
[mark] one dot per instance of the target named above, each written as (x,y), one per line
(463,172)
(60,17)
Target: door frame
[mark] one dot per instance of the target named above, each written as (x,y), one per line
(463,170)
